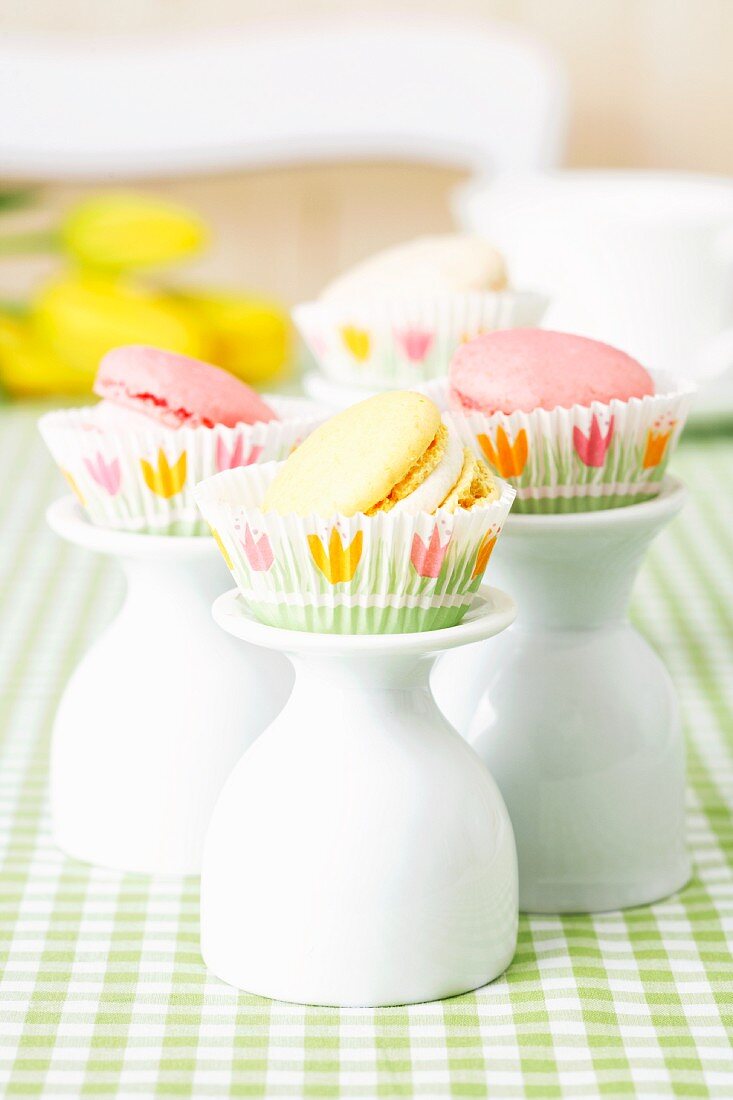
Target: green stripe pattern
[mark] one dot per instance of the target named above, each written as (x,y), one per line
(103,992)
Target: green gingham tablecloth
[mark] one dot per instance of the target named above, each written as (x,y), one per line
(103,990)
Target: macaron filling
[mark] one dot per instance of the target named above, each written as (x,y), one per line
(391,452)
(430,493)
(475,485)
(458,480)
(417,475)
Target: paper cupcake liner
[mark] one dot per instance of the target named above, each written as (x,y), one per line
(141,478)
(384,574)
(402,344)
(579,459)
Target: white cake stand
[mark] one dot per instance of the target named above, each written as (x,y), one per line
(360,853)
(158,711)
(576,716)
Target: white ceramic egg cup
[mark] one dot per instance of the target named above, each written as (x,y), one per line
(360,853)
(576,716)
(158,711)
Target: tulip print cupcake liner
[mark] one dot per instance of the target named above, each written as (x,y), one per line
(578,459)
(385,574)
(132,476)
(387,346)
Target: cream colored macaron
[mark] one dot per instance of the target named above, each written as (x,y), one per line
(391,451)
(450,264)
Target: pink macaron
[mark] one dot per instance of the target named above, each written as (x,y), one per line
(177,391)
(522,369)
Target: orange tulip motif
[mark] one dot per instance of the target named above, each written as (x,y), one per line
(466,337)
(656,445)
(165,480)
(357,342)
(508,459)
(485,550)
(337,563)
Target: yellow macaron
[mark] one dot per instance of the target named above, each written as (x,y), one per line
(391,451)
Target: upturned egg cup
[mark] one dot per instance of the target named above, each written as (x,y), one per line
(576,716)
(360,852)
(158,711)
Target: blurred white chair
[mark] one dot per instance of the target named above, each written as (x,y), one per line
(474,95)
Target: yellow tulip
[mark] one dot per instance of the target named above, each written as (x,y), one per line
(164,479)
(224,552)
(338,563)
(357,342)
(71,482)
(251,337)
(80,317)
(29,369)
(119,232)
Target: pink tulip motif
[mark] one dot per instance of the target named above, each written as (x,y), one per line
(592,448)
(415,343)
(318,344)
(427,558)
(257,551)
(106,474)
(227,459)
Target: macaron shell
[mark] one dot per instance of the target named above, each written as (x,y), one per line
(176,390)
(525,369)
(353,460)
(447,264)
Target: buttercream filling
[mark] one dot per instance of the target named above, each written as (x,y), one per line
(431,493)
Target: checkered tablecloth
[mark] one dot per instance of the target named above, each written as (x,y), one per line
(103,990)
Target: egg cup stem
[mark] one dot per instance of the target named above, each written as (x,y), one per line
(159,709)
(575,714)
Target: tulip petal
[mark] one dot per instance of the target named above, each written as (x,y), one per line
(508,459)
(106,474)
(71,482)
(427,559)
(483,554)
(656,445)
(222,548)
(165,480)
(415,343)
(357,342)
(258,551)
(319,556)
